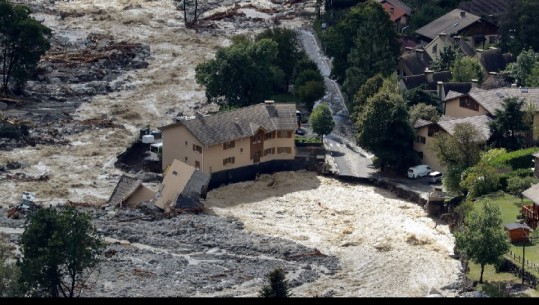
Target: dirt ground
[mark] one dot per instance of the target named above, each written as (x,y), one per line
(372,244)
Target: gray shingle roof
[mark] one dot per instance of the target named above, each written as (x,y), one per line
(421,123)
(414,81)
(492,99)
(450,23)
(486,7)
(516,225)
(416,62)
(223,127)
(124,188)
(195,188)
(457,87)
(532,193)
(479,121)
(443,41)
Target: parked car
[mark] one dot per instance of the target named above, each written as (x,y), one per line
(419,171)
(300,132)
(435,177)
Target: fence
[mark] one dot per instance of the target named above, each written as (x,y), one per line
(529,265)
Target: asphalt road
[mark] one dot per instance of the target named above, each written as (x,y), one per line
(346,157)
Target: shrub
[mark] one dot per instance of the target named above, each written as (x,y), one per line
(522,158)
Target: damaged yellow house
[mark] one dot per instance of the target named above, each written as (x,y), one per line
(232,139)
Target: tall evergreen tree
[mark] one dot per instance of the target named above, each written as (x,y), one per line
(508,127)
(278,286)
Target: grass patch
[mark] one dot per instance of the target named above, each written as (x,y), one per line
(494,283)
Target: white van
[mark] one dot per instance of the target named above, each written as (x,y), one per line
(435,177)
(419,171)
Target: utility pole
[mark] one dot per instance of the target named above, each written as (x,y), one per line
(523,252)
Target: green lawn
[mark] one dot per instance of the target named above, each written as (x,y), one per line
(494,283)
(510,207)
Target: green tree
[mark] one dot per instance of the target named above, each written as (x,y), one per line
(420,96)
(278,285)
(516,185)
(242,74)
(456,152)
(310,92)
(465,69)
(367,90)
(522,68)
(384,129)
(482,239)
(508,128)
(353,45)
(445,60)
(58,249)
(480,180)
(23,41)
(288,49)
(425,112)
(321,120)
(520,26)
(9,274)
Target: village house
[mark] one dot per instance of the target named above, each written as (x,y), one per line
(181,188)
(471,28)
(442,41)
(413,62)
(398,12)
(481,102)
(425,131)
(530,213)
(234,139)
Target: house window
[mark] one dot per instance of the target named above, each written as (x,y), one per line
(228,145)
(420,139)
(185,143)
(435,49)
(185,159)
(197,164)
(284,150)
(197,148)
(466,102)
(257,138)
(269,135)
(284,134)
(420,153)
(269,151)
(229,160)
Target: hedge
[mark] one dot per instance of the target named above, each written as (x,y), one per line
(522,158)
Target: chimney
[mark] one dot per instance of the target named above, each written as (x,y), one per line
(457,38)
(474,83)
(429,75)
(269,102)
(513,85)
(419,53)
(493,73)
(236,121)
(441,91)
(391,10)
(462,14)
(409,50)
(442,34)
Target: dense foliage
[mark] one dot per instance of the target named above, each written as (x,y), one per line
(278,286)
(321,120)
(58,248)
(508,128)
(23,41)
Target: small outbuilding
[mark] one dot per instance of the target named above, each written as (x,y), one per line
(518,232)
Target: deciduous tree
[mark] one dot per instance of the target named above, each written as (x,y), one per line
(465,69)
(384,129)
(482,238)
(321,120)
(242,74)
(58,249)
(457,152)
(444,61)
(23,40)
(425,112)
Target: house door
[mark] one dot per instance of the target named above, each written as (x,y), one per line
(256,157)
